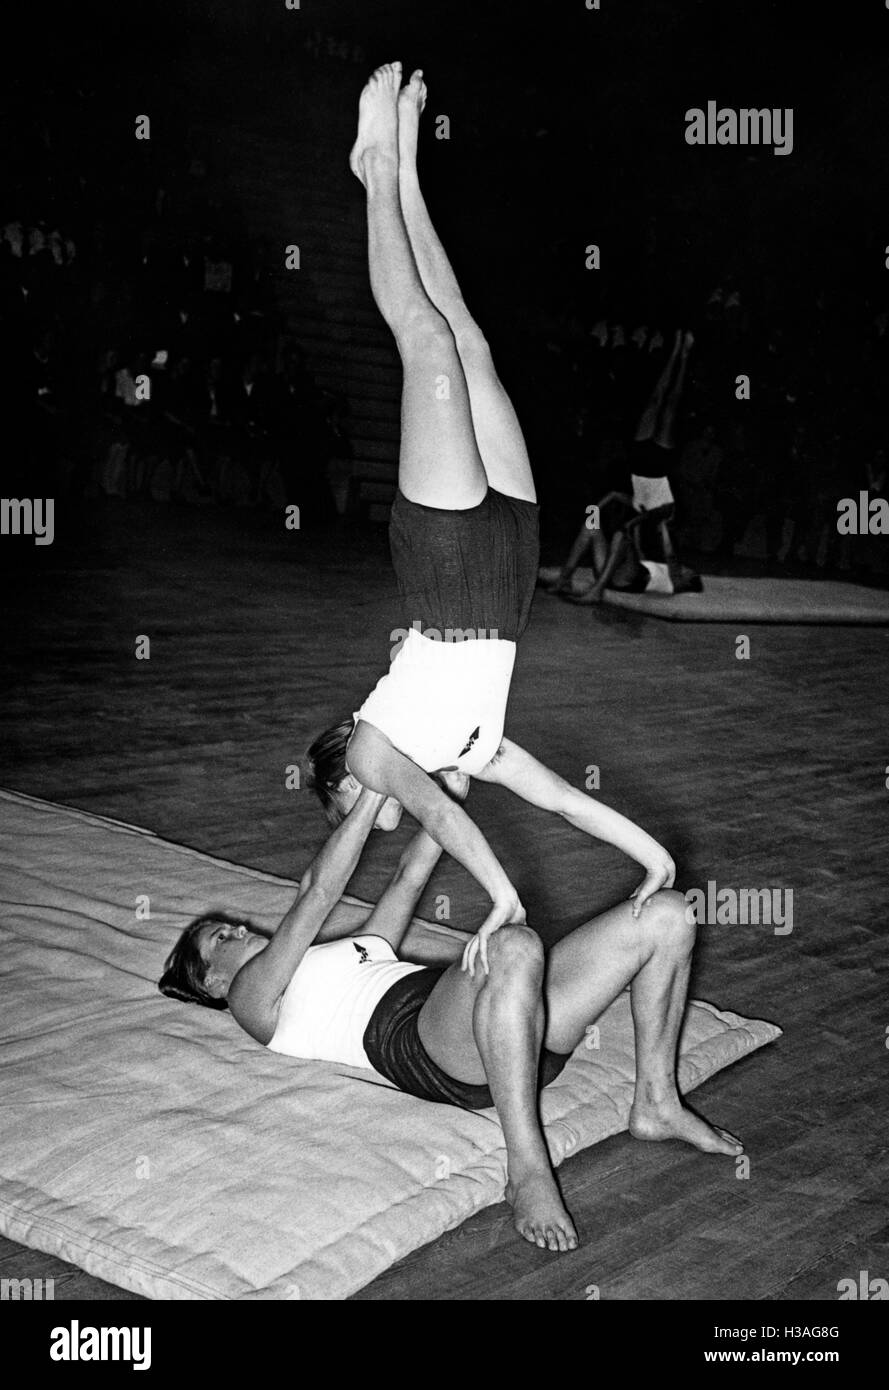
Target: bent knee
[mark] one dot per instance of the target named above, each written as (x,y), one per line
(515,946)
(667,911)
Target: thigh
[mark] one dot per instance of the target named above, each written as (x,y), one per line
(439,463)
(586,971)
(497,429)
(445,1025)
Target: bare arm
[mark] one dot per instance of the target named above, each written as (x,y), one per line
(379,765)
(392,915)
(257,988)
(531,780)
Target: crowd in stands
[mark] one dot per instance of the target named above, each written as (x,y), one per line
(143,350)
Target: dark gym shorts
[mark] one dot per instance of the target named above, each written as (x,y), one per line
(394,1049)
(471,569)
(650,460)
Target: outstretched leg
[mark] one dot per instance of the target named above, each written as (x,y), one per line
(652,953)
(501,443)
(606,568)
(558,580)
(439,463)
(490,1029)
(658,420)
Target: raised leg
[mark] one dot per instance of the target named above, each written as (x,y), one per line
(652,953)
(665,429)
(501,443)
(490,1029)
(658,420)
(439,462)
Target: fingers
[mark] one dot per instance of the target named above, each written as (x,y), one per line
(649,885)
(643,893)
(662,877)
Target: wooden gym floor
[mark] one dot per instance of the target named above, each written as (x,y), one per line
(769,772)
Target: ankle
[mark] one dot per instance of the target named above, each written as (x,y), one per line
(656,1095)
(530,1163)
(379,157)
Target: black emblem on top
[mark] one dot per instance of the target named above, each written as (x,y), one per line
(472,738)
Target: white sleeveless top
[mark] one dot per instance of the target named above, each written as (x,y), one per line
(328,1003)
(443,704)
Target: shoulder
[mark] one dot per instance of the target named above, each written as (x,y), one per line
(249,1011)
(367,748)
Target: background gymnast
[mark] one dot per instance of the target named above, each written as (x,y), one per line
(631,549)
(464,541)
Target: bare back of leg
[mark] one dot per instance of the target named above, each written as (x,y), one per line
(498,433)
(439,463)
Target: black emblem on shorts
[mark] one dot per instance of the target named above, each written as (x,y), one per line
(365,957)
(472,738)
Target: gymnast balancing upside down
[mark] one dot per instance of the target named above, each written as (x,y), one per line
(464,539)
(443,1034)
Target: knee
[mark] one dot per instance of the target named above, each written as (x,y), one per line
(669,917)
(515,948)
(471,341)
(423,331)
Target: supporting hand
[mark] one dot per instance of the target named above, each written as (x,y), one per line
(504,913)
(661,873)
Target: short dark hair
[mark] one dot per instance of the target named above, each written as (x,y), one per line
(185,969)
(327,766)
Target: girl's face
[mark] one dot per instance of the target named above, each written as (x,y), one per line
(226,947)
(348,792)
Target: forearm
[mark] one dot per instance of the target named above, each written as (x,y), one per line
(399,902)
(534,782)
(455,832)
(420,858)
(606,824)
(376,763)
(335,863)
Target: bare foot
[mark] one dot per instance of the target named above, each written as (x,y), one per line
(377,118)
(585,597)
(539,1213)
(551,580)
(411,101)
(673,1121)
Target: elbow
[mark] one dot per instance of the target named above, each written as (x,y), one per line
(439,823)
(320,896)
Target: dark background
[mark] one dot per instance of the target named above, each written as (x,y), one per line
(567,127)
